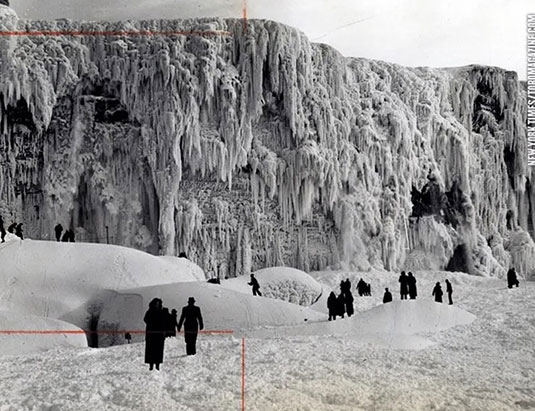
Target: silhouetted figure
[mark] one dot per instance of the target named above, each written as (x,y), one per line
(437,292)
(71,235)
(347,284)
(192,319)
(58,229)
(154,334)
(173,323)
(256,286)
(449,290)
(367,289)
(2,229)
(361,287)
(182,254)
(511,278)
(128,337)
(167,319)
(66,236)
(332,305)
(411,282)
(348,299)
(387,298)
(12,228)
(340,305)
(18,231)
(404,285)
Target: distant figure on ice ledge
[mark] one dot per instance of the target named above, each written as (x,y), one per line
(449,290)
(332,306)
(511,278)
(437,292)
(387,298)
(403,285)
(58,229)
(411,280)
(18,231)
(2,229)
(256,286)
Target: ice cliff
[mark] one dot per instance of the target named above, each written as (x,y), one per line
(253,148)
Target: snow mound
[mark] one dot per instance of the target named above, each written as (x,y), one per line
(51,279)
(221,308)
(396,325)
(280,283)
(20,343)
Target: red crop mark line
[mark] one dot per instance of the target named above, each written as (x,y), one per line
(41,332)
(113,33)
(243,374)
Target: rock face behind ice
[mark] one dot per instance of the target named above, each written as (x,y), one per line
(259,148)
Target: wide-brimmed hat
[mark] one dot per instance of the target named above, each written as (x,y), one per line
(191,300)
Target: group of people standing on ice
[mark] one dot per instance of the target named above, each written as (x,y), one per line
(343,303)
(162,324)
(407,287)
(68,236)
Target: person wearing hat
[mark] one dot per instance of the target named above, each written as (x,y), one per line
(192,319)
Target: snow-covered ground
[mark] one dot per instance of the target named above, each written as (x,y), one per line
(413,355)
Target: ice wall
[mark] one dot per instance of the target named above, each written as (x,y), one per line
(253,148)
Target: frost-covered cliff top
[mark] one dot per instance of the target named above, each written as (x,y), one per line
(253,148)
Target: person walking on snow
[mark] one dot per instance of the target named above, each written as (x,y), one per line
(58,229)
(411,281)
(332,306)
(256,286)
(192,319)
(437,292)
(404,285)
(387,298)
(449,290)
(340,305)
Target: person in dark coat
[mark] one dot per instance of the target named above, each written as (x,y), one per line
(154,334)
(71,235)
(332,305)
(361,287)
(511,278)
(404,285)
(340,305)
(2,229)
(449,290)
(348,300)
(387,298)
(192,319)
(58,229)
(256,286)
(66,236)
(411,281)
(18,231)
(12,228)
(368,290)
(437,292)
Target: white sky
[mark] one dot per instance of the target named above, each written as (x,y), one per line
(408,32)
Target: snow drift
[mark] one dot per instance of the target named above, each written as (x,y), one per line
(400,324)
(255,148)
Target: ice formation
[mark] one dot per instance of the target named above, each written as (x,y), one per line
(253,148)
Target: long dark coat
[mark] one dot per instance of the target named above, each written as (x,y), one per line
(387,298)
(437,292)
(349,303)
(411,280)
(332,305)
(340,305)
(192,319)
(404,284)
(155,336)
